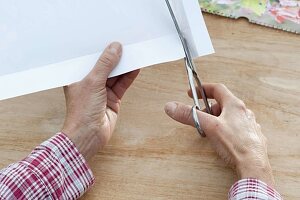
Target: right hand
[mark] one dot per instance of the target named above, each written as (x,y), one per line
(233,132)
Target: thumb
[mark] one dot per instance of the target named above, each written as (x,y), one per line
(183,114)
(106,63)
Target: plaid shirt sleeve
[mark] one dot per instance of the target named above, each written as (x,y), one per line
(56,170)
(53,170)
(252,189)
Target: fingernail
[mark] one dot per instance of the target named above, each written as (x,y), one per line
(171,108)
(115,48)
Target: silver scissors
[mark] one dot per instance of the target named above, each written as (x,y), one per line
(192,76)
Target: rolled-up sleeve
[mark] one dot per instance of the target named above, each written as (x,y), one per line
(252,189)
(54,170)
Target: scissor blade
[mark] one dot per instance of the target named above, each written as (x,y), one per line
(175,20)
(181,36)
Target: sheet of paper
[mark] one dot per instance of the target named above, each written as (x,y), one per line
(47,44)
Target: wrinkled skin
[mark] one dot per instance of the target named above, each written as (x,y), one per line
(232,130)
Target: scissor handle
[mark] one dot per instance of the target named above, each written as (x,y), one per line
(203,94)
(192,75)
(197,122)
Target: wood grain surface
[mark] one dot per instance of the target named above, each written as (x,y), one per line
(153,157)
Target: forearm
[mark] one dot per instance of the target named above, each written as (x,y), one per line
(55,169)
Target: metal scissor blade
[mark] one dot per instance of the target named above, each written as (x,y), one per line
(180,34)
(192,74)
(175,21)
(188,55)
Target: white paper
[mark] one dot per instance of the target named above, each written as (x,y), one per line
(47,44)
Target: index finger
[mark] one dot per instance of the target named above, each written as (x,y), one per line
(216,91)
(124,83)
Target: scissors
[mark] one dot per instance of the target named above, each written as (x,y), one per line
(192,76)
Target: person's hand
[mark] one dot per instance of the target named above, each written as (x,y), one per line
(93,104)
(233,132)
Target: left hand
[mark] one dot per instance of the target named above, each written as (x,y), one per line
(232,130)
(93,104)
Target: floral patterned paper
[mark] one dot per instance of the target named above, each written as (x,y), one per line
(281,14)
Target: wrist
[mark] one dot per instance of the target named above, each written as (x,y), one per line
(258,169)
(86,139)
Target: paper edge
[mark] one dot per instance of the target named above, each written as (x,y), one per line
(194,18)
(83,65)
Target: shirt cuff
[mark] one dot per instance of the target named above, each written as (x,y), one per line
(61,167)
(252,189)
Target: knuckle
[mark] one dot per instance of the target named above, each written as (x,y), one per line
(107,59)
(241,105)
(221,86)
(90,80)
(183,114)
(250,113)
(222,89)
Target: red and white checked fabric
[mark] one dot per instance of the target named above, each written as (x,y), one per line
(252,189)
(56,170)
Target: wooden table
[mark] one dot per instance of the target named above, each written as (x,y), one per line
(153,157)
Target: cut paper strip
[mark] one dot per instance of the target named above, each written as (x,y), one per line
(47,44)
(279,14)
